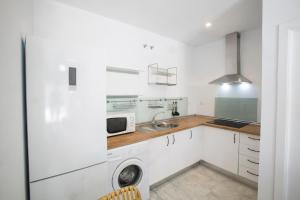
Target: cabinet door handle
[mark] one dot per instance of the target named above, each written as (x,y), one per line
(253,162)
(173,139)
(253,150)
(168,140)
(251,138)
(191,136)
(252,173)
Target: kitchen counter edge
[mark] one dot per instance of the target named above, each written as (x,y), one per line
(184,123)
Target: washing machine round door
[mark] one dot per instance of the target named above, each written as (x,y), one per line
(129,172)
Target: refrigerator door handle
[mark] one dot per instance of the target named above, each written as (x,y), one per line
(72,76)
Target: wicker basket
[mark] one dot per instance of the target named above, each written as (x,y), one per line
(126,193)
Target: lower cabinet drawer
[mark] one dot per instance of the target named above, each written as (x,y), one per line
(247,150)
(249,139)
(249,162)
(248,173)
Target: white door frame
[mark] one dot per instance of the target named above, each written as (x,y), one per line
(283,108)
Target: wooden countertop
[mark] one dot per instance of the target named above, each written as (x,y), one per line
(183,123)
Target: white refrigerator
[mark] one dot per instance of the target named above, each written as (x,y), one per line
(65,97)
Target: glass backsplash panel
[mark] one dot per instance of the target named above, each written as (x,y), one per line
(146,107)
(236,108)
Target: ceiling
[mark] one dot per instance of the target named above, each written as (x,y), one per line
(182,20)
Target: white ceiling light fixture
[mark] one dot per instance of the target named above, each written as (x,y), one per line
(208,24)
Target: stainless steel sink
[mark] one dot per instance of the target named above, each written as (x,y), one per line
(148,128)
(166,125)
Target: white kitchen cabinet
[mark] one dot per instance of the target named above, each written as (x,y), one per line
(248,173)
(194,146)
(172,153)
(220,148)
(249,156)
(180,155)
(186,148)
(248,139)
(159,161)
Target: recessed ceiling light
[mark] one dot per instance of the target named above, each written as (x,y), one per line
(208,24)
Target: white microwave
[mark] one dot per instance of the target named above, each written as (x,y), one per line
(120,123)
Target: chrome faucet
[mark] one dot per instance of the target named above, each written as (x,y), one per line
(154,116)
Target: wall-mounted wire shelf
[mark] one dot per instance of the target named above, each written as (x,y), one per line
(162,76)
(155,104)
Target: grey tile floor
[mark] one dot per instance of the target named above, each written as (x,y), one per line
(202,183)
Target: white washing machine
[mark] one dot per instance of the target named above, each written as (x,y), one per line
(128,166)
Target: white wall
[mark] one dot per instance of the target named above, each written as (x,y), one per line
(275,12)
(123,44)
(15,20)
(209,64)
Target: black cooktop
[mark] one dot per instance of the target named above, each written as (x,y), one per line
(230,123)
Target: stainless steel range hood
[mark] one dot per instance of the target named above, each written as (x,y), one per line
(233,65)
